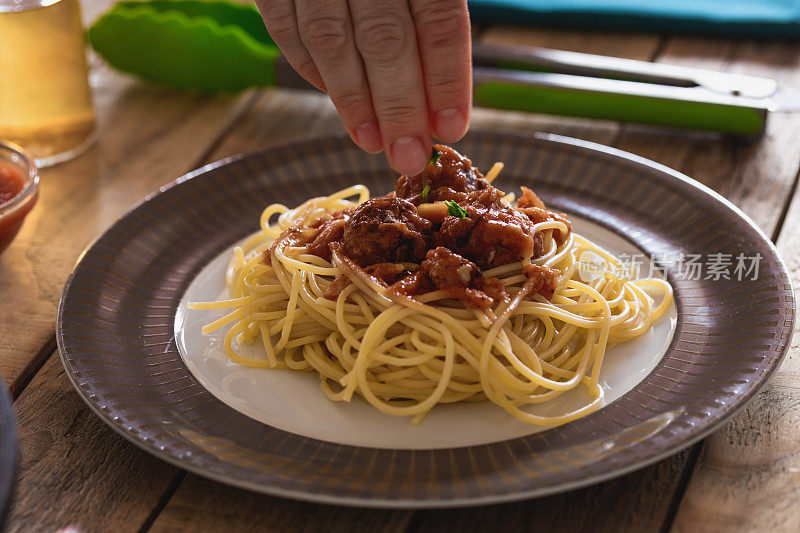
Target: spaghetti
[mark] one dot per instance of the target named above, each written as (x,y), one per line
(402,336)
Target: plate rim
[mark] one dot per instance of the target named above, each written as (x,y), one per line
(734,408)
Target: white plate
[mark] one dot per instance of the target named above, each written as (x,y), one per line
(292,400)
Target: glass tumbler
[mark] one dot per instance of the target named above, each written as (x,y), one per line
(45,100)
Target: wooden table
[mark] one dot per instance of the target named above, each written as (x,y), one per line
(76,471)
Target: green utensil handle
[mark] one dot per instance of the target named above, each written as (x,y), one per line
(207,46)
(616,100)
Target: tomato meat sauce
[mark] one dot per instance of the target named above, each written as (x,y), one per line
(439,231)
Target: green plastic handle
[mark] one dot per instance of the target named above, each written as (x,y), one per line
(207,46)
(621,107)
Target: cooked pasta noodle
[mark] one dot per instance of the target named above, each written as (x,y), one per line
(404,355)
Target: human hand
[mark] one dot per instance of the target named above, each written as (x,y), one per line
(398,71)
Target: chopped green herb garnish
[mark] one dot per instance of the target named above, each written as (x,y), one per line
(435,155)
(455,210)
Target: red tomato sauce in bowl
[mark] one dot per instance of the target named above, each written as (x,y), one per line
(19,190)
(11,183)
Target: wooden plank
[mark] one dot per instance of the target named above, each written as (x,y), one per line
(635,502)
(205,506)
(75,470)
(280,116)
(639,46)
(748,476)
(147,136)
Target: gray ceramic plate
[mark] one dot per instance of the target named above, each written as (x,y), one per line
(116,317)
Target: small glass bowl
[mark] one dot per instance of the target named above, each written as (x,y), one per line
(13,212)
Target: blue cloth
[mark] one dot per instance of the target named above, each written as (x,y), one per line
(757,18)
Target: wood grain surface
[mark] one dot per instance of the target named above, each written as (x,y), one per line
(77,472)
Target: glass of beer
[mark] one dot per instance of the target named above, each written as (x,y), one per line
(45,100)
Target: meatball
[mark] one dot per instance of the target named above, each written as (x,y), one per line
(385,230)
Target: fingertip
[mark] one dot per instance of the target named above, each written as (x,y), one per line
(368,137)
(408,155)
(449,125)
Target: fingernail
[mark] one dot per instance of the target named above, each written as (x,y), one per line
(407,155)
(368,137)
(449,124)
